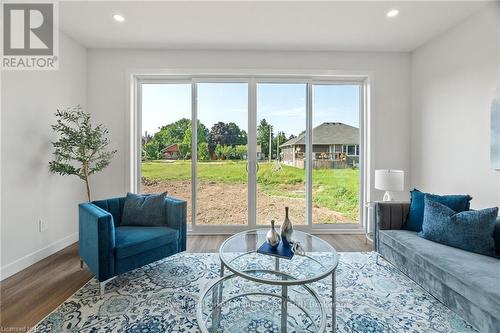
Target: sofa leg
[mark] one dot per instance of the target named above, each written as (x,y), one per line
(81,263)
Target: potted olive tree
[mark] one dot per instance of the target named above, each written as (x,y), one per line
(81,149)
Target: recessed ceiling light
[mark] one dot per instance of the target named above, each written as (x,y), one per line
(393,13)
(118,18)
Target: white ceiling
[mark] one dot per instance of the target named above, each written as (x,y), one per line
(263,25)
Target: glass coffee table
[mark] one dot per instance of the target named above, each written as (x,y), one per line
(266,293)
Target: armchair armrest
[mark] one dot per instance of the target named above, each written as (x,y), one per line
(176,218)
(389,216)
(97,240)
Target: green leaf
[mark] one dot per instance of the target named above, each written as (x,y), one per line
(80,144)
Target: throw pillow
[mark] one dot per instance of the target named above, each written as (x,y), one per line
(458,203)
(144,210)
(470,230)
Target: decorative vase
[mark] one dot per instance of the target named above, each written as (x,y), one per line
(272,236)
(286,230)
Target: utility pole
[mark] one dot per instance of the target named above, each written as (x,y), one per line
(270,142)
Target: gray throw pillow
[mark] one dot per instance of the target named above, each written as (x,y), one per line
(470,230)
(144,210)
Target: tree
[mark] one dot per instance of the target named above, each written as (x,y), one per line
(81,148)
(263,131)
(226,135)
(202,133)
(172,133)
(217,136)
(218,151)
(185,151)
(240,151)
(235,135)
(278,141)
(146,138)
(227,152)
(223,152)
(152,150)
(187,139)
(243,138)
(203,153)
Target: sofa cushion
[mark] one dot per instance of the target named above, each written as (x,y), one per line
(130,241)
(472,275)
(471,230)
(144,210)
(458,203)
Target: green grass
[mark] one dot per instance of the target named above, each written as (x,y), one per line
(336,189)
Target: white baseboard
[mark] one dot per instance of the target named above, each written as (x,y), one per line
(30,259)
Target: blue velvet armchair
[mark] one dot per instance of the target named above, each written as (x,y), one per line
(109,249)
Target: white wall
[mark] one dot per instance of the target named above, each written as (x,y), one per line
(108,86)
(29,191)
(454,79)
(98,79)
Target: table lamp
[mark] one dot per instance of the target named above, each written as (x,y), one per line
(389,181)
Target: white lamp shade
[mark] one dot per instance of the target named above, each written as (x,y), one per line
(389,180)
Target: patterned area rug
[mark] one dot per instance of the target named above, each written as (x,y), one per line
(162,297)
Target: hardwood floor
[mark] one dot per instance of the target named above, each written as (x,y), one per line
(31,294)
(28,296)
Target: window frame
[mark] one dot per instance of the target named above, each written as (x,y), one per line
(363,79)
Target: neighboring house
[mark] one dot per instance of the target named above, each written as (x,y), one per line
(171,152)
(335,145)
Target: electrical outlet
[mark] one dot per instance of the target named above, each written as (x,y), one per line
(42,225)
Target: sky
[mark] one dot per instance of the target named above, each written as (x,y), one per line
(282,105)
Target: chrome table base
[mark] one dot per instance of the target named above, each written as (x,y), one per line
(217,303)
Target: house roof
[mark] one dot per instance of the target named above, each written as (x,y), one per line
(328,134)
(173,147)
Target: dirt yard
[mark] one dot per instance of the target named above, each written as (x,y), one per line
(226,203)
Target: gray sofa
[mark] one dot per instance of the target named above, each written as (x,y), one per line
(467,283)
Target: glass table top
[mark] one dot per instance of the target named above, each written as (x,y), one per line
(239,254)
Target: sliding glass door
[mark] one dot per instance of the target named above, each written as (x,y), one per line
(165,120)
(281,178)
(335,153)
(258,145)
(222,179)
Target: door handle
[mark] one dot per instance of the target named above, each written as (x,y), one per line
(256,167)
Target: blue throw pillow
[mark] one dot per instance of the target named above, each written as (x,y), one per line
(470,230)
(144,210)
(458,203)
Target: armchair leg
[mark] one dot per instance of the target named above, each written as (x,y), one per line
(81,263)
(102,286)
